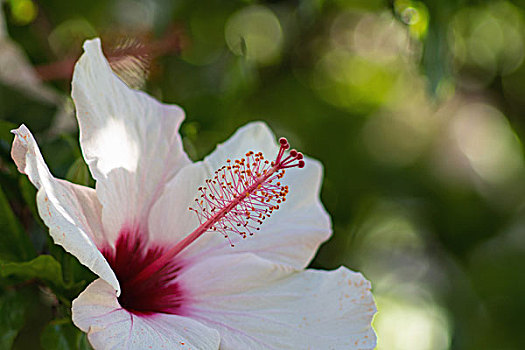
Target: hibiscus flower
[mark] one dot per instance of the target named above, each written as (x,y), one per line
(150,230)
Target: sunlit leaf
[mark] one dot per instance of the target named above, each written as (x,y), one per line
(23,11)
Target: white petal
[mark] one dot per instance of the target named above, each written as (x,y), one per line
(130,141)
(170,220)
(71,212)
(291,236)
(97,312)
(254,136)
(256,304)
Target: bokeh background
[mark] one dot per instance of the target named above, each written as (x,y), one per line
(415,108)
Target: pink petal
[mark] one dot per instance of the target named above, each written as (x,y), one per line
(257,304)
(130,141)
(71,212)
(96,311)
(291,236)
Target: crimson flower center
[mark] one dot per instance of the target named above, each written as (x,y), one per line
(159,292)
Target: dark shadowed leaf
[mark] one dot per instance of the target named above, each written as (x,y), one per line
(13,308)
(14,242)
(5,130)
(63,335)
(28,192)
(79,173)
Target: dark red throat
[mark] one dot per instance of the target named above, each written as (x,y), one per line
(159,292)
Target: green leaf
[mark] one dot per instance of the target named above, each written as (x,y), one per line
(15,244)
(28,191)
(13,307)
(436,60)
(72,270)
(84,344)
(78,173)
(5,130)
(63,335)
(73,144)
(44,268)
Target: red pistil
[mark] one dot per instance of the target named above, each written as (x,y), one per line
(240,196)
(160,292)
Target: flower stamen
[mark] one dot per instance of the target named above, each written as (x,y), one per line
(240,196)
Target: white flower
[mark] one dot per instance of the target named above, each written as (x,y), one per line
(207,295)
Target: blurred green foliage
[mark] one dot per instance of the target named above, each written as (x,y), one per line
(415,109)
